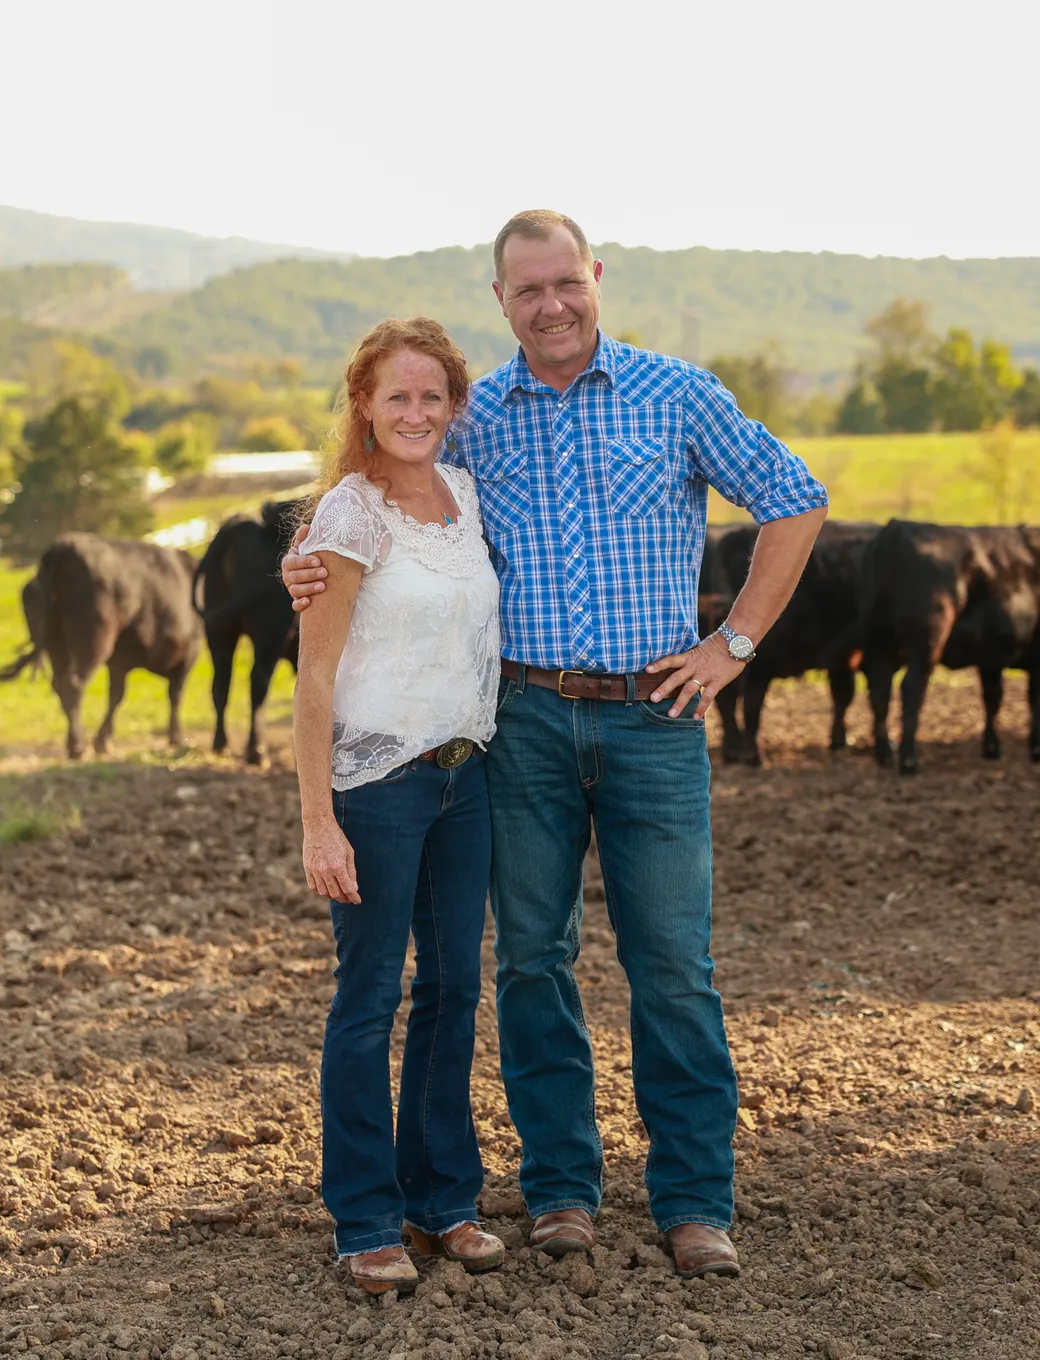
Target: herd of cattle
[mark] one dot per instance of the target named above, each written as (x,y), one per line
(875,599)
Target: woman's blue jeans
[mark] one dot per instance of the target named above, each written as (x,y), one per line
(422,846)
(555,768)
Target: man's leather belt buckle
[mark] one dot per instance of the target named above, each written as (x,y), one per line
(562,680)
(454,753)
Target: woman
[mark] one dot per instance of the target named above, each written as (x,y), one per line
(398,678)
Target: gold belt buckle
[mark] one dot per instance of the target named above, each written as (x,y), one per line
(454,753)
(559,685)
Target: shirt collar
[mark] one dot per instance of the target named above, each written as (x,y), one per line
(518,376)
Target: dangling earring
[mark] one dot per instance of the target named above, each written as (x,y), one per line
(451,443)
(369,440)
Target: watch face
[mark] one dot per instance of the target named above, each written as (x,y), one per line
(741,647)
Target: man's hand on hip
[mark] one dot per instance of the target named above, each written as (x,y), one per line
(302,576)
(706,669)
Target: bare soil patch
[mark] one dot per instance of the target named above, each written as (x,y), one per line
(165,976)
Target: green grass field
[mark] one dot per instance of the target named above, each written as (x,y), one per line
(947,478)
(967,479)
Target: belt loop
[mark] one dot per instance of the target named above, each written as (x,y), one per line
(521,677)
(630,689)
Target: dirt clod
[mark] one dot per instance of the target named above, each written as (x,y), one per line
(924,1274)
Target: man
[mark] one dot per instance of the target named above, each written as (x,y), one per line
(592,461)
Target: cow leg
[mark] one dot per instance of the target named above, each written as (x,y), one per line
(177,678)
(69,687)
(842,681)
(1034,713)
(992,678)
(912,691)
(222,650)
(755,686)
(879,667)
(265,659)
(117,674)
(732,738)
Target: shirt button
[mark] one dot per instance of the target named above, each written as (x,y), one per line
(580,609)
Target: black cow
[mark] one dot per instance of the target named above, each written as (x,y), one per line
(714,591)
(813,632)
(243,594)
(935,594)
(100,601)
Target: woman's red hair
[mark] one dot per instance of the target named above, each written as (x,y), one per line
(420,335)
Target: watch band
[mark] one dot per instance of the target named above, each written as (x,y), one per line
(730,635)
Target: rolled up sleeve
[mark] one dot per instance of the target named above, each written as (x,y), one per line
(740,458)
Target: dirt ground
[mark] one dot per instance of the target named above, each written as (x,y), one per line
(165,979)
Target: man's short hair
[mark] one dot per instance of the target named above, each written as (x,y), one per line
(538,224)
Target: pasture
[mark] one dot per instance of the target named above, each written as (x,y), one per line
(985,478)
(32,723)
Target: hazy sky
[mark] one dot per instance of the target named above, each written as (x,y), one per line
(904,128)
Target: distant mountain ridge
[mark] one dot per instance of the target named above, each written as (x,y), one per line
(156,258)
(696,303)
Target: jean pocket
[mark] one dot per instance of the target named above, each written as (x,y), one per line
(506,694)
(639,474)
(505,492)
(394,776)
(658,713)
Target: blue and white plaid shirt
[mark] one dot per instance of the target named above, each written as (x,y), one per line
(595,501)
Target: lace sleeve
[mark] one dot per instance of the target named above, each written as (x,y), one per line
(345,523)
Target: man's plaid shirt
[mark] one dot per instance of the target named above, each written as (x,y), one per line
(595,501)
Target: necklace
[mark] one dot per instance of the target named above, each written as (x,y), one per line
(447,518)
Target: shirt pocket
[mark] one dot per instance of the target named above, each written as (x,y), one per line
(504,487)
(638,474)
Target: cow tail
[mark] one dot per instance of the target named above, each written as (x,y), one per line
(41,642)
(850,641)
(33,657)
(198,578)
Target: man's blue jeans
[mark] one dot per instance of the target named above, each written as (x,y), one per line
(422,846)
(555,767)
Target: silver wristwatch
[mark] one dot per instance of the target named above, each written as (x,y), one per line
(741,648)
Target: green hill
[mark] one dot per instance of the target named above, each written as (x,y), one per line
(74,297)
(696,303)
(814,305)
(156,258)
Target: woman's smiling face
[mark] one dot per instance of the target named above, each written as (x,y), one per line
(410,407)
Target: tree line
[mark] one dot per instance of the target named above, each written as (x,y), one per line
(910,380)
(79,434)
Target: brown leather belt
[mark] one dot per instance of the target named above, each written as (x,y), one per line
(584,684)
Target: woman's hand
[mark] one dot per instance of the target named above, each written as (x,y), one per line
(328,861)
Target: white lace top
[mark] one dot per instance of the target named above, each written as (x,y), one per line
(421,661)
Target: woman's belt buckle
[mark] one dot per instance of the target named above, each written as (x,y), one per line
(454,753)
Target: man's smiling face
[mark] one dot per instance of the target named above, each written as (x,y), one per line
(550,294)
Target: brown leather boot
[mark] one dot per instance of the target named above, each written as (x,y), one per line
(700,1249)
(377,1272)
(474,1249)
(563,1230)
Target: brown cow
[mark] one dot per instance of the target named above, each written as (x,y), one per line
(98,601)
